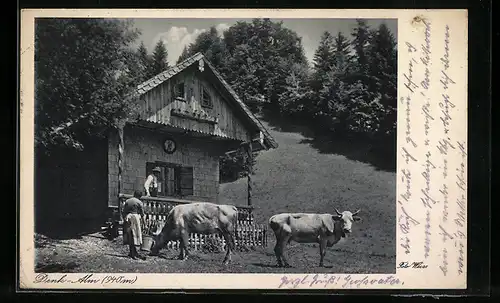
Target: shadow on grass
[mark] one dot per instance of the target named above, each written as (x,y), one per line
(273,265)
(55,267)
(379,154)
(66,229)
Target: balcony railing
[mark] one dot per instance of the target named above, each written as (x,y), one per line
(157,208)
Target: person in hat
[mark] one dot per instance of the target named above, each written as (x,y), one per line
(151,184)
(133,214)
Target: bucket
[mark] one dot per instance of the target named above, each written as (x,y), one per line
(147,242)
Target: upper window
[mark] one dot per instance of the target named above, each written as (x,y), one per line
(179,91)
(206,98)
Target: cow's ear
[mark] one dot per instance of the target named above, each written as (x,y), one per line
(356,218)
(336,217)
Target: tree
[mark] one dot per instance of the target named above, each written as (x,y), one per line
(185,54)
(159,61)
(361,35)
(323,56)
(145,62)
(383,75)
(82,76)
(342,54)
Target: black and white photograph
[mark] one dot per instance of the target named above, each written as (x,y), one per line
(215,145)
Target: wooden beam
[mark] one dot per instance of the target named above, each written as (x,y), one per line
(121,157)
(249,171)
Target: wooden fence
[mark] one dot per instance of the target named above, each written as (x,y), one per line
(247,232)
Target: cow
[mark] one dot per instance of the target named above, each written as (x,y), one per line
(200,218)
(324,229)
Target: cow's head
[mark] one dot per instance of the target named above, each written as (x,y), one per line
(345,220)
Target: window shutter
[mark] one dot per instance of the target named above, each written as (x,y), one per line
(186,181)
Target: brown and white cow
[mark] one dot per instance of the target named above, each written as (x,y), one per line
(324,229)
(200,218)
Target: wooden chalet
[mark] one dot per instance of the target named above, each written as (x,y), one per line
(189,118)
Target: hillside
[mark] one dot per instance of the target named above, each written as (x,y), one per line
(297,177)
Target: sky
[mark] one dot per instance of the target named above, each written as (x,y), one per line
(177,33)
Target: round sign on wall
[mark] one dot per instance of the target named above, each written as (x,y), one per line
(169,146)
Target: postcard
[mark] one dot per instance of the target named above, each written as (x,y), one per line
(243,149)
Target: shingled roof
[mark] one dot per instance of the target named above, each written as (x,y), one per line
(169,73)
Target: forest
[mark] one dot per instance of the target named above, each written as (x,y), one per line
(85,67)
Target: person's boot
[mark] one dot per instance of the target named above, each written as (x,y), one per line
(140,256)
(132,254)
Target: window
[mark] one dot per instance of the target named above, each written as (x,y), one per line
(179,92)
(174,180)
(206,99)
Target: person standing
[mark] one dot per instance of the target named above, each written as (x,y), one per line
(133,214)
(151,184)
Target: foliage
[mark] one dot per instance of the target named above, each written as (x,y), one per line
(159,61)
(350,90)
(83,68)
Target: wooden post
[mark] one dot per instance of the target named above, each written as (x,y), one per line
(249,173)
(120,165)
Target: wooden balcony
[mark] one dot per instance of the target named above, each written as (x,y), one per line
(157,208)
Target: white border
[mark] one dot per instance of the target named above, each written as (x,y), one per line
(409,30)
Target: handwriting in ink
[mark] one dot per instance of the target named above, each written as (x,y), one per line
(405,243)
(427,199)
(428,118)
(445,59)
(444,192)
(418,265)
(445,80)
(410,84)
(406,178)
(45,278)
(443,146)
(426,50)
(427,244)
(408,120)
(463,153)
(325,280)
(460,215)
(444,254)
(444,266)
(390,280)
(445,106)
(461,176)
(86,279)
(446,236)
(405,221)
(411,48)
(460,259)
(408,156)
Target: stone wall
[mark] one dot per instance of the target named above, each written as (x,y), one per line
(143,145)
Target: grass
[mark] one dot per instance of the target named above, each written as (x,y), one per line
(298,176)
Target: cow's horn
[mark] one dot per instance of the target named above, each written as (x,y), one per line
(356,212)
(338,213)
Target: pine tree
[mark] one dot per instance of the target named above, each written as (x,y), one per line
(184,55)
(324,54)
(145,63)
(342,54)
(159,61)
(361,35)
(382,72)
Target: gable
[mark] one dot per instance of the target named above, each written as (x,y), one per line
(154,110)
(179,102)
